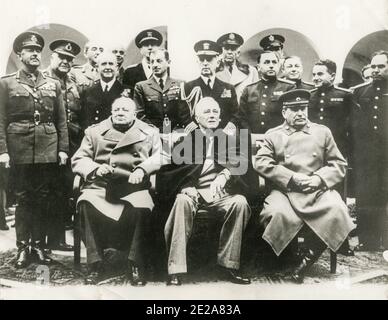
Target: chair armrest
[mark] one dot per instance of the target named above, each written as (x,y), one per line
(77,184)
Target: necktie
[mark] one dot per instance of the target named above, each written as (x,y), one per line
(230,69)
(106,89)
(208,84)
(161,84)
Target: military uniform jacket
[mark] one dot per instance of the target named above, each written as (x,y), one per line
(333,107)
(133,75)
(224,93)
(241,76)
(96,104)
(27,138)
(370,141)
(259,107)
(161,107)
(84,75)
(139,147)
(72,104)
(300,84)
(311,151)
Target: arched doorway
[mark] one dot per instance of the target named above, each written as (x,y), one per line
(360,55)
(295,44)
(50,33)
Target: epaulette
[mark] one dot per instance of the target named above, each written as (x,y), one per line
(309,83)
(274,129)
(146,127)
(286,81)
(244,68)
(253,83)
(342,89)
(359,86)
(77,67)
(313,90)
(9,75)
(131,66)
(96,81)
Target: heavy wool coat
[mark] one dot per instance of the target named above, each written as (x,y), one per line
(311,151)
(139,147)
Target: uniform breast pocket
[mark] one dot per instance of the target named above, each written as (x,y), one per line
(172,97)
(49,128)
(19,92)
(48,93)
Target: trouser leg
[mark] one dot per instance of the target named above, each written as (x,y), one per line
(90,232)
(3,202)
(236,217)
(177,232)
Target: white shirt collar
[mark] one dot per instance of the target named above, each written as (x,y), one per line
(164,78)
(104,84)
(147,68)
(206,79)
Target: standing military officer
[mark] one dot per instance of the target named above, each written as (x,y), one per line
(86,74)
(273,42)
(259,108)
(158,98)
(208,85)
(293,71)
(33,138)
(146,41)
(97,100)
(331,105)
(371,156)
(231,70)
(64,52)
(119,51)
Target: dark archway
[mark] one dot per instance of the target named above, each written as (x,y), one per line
(296,44)
(360,55)
(50,33)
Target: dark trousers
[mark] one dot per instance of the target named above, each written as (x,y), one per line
(32,189)
(129,234)
(59,206)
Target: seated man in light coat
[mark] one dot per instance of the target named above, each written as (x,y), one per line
(303,163)
(209,178)
(115,159)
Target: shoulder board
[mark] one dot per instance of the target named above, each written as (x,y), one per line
(342,89)
(364,84)
(147,128)
(131,66)
(77,67)
(286,81)
(313,90)
(309,83)
(274,129)
(253,83)
(96,81)
(244,68)
(9,75)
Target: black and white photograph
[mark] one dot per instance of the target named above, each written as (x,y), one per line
(194,150)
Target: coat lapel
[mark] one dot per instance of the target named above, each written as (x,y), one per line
(237,76)
(132,136)
(154,85)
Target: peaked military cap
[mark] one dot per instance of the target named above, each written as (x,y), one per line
(28,39)
(148,35)
(231,39)
(272,42)
(207,47)
(294,98)
(65,47)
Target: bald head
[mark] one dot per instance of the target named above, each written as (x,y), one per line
(207,113)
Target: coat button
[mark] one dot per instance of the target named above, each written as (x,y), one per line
(320,118)
(375,127)
(322,101)
(264,96)
(263,113)
(321,109)
(262,123)
(96,118)
(322,94)
(314,154)
(114,165)
(263,103)
(164,105)
(287,155)
(376,98)
(97,111)
(378,89)
(376,107)
(135,154)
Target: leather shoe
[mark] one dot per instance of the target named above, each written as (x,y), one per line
(62,246)
(92,278)
(40,255)
(234,277)
(137,277)
(22,259)
(174,280)
(4,227)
